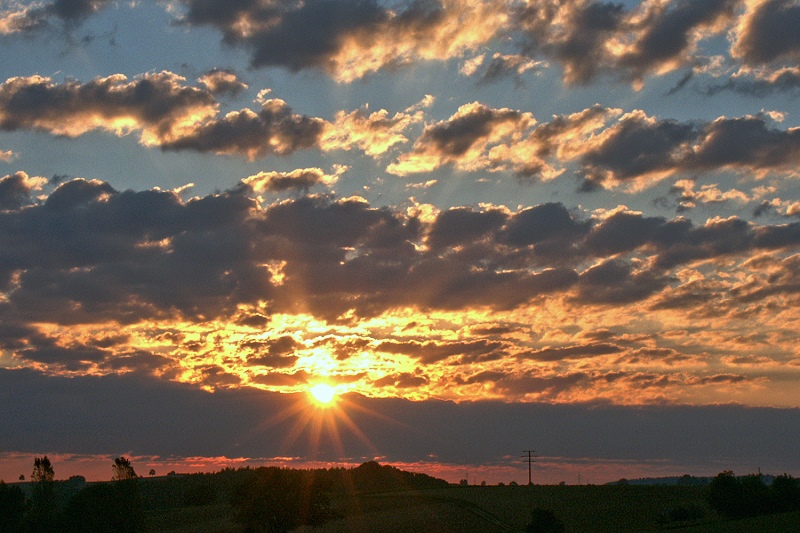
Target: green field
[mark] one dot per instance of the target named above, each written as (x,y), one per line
(494,509)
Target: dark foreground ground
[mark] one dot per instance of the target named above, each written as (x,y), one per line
(498,509)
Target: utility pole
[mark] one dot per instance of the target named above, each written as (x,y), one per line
(529,458)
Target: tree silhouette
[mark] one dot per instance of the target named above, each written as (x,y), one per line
(41,512)
(12,507)
(122,470)
(42,470)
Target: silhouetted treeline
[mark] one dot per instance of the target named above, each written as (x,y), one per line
(739,497)
(71,507)
(267,499)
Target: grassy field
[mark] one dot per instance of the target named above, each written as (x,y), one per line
(495,510)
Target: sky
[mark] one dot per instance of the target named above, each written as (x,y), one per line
(491,226)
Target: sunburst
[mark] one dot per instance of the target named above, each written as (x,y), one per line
(323,394)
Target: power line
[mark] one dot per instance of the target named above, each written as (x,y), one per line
(529,458)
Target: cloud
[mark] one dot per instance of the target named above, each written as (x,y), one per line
(351,38)
(220,81)
(572,352)
(16,189)
(433,352)
(157,103)
(274,129)
(36,16)
(7,155)
(761,83)
(765,33)
(274,353)
(404,380)
(688,197)
(173,116)
(611,149)
(615,282)
(637,146)
(300,179)
(501,66)
(374,133)
(593,38)
(227,290)
(89,253)
(463,139)
(639,149)
(164,422)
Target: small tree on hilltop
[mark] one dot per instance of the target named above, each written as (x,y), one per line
(42,470)
(122,470)
(41,512)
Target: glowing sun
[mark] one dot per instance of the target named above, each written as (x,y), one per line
(323,394)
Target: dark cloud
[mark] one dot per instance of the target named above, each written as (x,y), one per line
(621,232)
(155,103)
(88,253)
(666,34)
(76,10)
(691,296)
(432,351)
(145,416)
(168,113)
(68,12)
(545,222)
(221,81)
(502,67)
(290,34)
(572,352)
(747,142)
(767,32)
(140,362)
(474,123)
(639,146)
(463,225)
(16,189)
(616,282)
(786,80)
(297,180)
(584,36)
(274,129)
(323,34)
(404,380)
(275,353)
(635,147)
(580,48)
(634,150)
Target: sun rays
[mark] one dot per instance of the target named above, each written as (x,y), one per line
(321,419)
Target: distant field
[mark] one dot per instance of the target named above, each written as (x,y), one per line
(495,510)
